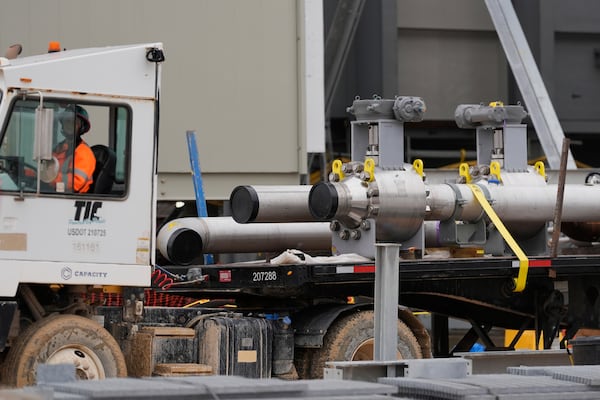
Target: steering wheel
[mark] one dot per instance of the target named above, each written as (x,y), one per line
(23,174)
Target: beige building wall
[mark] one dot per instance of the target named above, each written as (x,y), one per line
(232,74)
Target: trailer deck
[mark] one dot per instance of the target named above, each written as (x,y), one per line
(478,289)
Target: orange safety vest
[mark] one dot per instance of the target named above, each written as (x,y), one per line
(79,179)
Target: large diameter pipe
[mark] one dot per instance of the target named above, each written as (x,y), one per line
(392,188)
(286,203)
(399,204)
(517,203)
(183,241)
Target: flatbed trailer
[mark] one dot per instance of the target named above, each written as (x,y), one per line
(559,291)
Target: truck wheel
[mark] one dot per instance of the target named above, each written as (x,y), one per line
(62,339)
(351,339)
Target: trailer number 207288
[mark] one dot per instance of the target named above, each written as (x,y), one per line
(262,276)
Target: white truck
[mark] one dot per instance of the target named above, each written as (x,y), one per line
(65,240)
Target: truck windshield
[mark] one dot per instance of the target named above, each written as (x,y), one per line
(55,170)
(16,151)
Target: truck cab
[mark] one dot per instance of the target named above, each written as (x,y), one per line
(59,244)
(49,233)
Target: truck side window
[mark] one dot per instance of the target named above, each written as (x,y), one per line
(89,150)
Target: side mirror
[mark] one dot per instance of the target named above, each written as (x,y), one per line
(44,122)
(42,146)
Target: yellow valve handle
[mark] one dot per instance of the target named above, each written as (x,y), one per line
(496,104)
(370,168)
(463,170)
(336,167)
(540,168)
(521,279)
(495,170)
(418,166)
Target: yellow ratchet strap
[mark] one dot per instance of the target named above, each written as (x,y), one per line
(521,279)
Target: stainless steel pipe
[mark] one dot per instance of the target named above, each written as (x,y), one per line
(183,241)
(287,203)
(398,201)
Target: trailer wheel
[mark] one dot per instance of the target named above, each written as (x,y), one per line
(351,339)
(61,339)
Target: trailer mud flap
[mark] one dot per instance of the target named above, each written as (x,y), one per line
(7,313)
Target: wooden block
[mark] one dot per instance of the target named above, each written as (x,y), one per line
(587,332)
(182,369)
(139,355)
(168,331)
(466,252)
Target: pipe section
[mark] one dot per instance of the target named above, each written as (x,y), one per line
(183,241)
(395,198)
(286,203)
(399,202)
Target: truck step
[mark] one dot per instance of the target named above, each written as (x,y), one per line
(182,369)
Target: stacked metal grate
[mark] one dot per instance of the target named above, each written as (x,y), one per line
(565,382)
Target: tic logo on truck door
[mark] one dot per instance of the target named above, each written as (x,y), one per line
(87,226)
(87,211)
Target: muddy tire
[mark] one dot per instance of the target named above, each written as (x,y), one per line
(61,339)
(350,338)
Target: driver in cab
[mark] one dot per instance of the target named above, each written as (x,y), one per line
(76,161)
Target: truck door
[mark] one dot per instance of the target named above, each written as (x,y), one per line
(53,228)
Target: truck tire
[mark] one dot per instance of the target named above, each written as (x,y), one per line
(61,339)
(350,338)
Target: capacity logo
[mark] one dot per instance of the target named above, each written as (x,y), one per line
(66,273)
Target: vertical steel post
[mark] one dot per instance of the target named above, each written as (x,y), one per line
(387,287)
(560,194)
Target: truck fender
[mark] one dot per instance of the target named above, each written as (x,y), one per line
(311,324)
